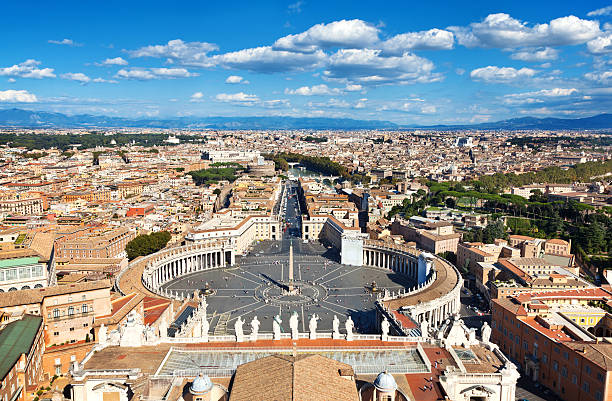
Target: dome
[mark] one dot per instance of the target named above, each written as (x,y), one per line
(385,382)
(201,384)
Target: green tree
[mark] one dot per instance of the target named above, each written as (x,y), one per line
(144,244)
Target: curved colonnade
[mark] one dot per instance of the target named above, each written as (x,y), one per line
(168,264)
(435,297)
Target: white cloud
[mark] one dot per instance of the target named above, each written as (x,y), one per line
(188,53)
(344,33)
(353,88)
(235,79)
(196,97)
(600,45)
(17,96)
(433,39)
(495,74)
(503,31)
(313,90)
(76,76)
(296,7)
(547,53)
(603,77)
(537,96)
(142,74)
(28,69)
(12,80)
(368,67)
(239,97)
(67,42)
(267,60)
(102,80)
(115,61)
(600,11)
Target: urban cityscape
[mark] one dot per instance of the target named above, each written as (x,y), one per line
(360,202)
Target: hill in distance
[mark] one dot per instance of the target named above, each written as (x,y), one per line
(40,119)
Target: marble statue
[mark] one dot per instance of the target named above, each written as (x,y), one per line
(276,327)
(424,328)
(349,325)
(293,324)
(238,329)
(485,332)
(102,334)
(336,327)
(254,328)
(204,329)
(312,325)
(204,306)
(384,327)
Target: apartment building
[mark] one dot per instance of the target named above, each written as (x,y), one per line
(106,243)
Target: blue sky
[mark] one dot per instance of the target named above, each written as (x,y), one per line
(403,61)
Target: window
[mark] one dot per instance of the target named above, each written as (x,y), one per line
(56,313)
(600,377)
(72,329)
(56,333)
(544,358)
(586,387)
(563,371)
(84,308)
(555,366)
(70,310)
(587,368)
(598,395)
(574,379)
(565,355)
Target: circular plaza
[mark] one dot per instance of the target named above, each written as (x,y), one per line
(258,285)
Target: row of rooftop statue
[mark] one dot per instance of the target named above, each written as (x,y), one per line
(134,333)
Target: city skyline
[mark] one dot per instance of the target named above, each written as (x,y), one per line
(409,64)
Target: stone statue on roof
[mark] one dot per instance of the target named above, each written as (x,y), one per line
(293,324)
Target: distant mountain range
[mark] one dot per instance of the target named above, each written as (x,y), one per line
(37,119)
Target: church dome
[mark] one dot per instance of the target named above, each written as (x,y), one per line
(201,385)
(385,382)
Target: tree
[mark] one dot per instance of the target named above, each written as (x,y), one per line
(144,244)
(493,231)
(450,202)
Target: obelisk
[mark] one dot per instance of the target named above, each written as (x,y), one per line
(290,286)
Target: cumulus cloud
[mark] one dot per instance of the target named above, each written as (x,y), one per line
(239,97)
(539,96)
(196,97)
(17,96)
(547,53)
(267,60)
(188,53)
(143,74)
(600,11)
(600,45)
(27,69)
(76,76)
(495,74)
(369,67)
(115,61)
(344,33)
(602,77)
(433,39)
(503,31)
(353,88)
(235,79)
(313,90)
(67,42)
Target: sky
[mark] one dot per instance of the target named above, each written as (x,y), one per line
(409,62)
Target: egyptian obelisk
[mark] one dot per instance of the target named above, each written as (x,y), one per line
(290,286)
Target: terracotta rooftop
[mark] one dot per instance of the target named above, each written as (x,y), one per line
(285,377)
